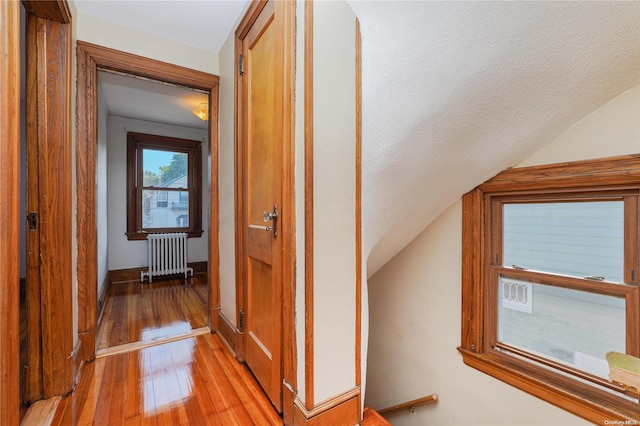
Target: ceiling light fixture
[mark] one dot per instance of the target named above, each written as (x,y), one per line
(201,111)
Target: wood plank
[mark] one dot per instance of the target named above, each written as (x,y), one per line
(86,124)
(41,413)
(59,12)
(343,414)
(620,170)
(247,389)
(118,276)
(260,248)
(308,208)
(373,418)
(135,346)
(85,399)
(358,359)
(134,405)
(34,389)
(10,212)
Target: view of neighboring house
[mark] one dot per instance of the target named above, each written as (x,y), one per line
(166,209)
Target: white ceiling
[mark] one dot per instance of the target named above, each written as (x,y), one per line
(453,92)
(204,24)
(201,23)
(132,97)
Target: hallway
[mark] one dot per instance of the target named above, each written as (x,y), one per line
(190,379)
(194,381)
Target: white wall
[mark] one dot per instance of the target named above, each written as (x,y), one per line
(102,204)
(123,253)
(415,303)
(334,182)
(226,176)
(108,34)
(613,129)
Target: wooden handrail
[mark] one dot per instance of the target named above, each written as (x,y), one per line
(410,405)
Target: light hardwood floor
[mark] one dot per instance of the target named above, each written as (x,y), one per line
(190,381)
(183,381)
(137,312)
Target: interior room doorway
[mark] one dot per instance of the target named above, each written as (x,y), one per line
(91,60)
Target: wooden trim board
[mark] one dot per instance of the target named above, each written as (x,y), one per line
(119,276)
(358,212)
(342,410)
(134,346)
(308,204)
(10,211)
(228,334)
(41,413)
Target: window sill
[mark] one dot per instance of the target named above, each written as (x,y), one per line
(593,404)
(134,236)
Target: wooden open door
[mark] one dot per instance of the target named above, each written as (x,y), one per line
(49,37)
(262,78)
(52,356)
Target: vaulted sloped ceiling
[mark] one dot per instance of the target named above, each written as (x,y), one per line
(455,92)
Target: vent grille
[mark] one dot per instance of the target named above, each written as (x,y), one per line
(516,295)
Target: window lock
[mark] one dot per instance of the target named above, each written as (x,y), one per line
(594,278)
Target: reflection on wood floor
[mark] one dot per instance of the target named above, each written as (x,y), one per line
(191,381)
(135,312)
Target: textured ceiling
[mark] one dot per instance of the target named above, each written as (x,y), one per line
(453,92)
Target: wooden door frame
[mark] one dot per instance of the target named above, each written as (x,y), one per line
(10,211)
(52,352)
(51,82)
(286,220)
(91,58)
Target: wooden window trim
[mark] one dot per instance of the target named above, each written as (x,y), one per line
(581,179)
(135,143)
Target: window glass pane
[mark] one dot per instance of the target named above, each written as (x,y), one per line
(573,238)
(180,200)
(164,168)
(574,327)
(162,198)
(164,209)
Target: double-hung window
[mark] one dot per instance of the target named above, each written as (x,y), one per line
(164,179)
(550,282)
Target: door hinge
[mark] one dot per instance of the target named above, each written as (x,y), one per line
(240,64)
(241,325)
(32,221)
